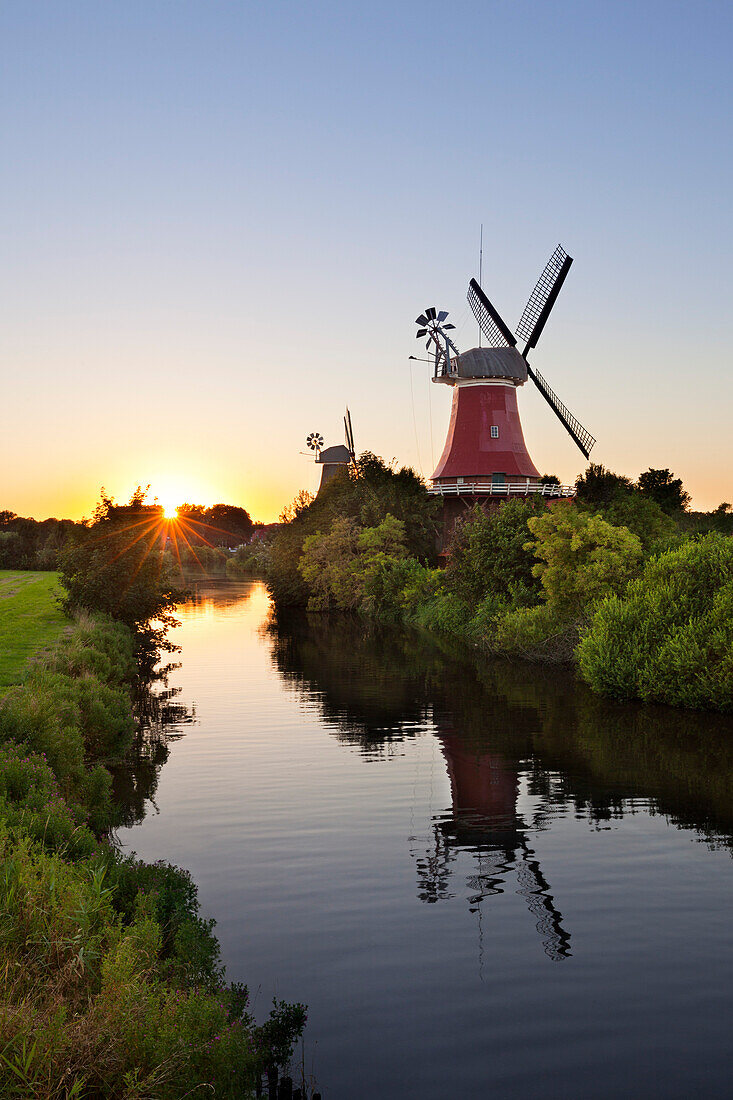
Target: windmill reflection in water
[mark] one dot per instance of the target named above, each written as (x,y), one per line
(484,819)
(375,692)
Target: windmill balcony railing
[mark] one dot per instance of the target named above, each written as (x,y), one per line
(507,489)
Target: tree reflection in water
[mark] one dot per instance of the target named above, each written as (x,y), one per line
(505,729)
(160,721)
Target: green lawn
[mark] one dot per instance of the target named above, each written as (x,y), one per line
(30,619)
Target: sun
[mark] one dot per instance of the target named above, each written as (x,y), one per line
(170,513)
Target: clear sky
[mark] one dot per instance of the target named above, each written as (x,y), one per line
(220,220)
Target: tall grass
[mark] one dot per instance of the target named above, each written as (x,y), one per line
(112,983)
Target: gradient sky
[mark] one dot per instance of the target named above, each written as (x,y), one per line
(219,221)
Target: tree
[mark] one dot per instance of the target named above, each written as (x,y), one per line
(228,524)
(340,564)
(191,511)
(669,637)
(366,495)
(115,565)
(600,486)
(488,554)
(581,557)
(302,500)
(665,489)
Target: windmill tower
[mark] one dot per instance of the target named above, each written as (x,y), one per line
(333,459)
(485,455)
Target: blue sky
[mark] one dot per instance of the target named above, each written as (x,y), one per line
(220,220)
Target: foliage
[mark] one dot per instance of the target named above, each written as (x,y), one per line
(250,560)
(350,564)
(27,543)
(365,497)
(489,554)
(539,633)
(31,804)
(188,557)
(115,565)
(112,980)
(75,711)
(669,638)
(221,525)
(643,516)
(600,486)
(581,557)
(666,490)
(88,1004)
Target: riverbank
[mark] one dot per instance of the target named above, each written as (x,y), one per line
(609,583)
(112,981)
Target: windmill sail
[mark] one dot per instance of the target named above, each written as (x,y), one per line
(535,889)
(349,434)
(580,434)
(543,297)
(496,332)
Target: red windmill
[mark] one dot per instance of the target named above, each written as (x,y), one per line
(485,454)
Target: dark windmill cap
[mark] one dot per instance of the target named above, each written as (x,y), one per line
(491,363)
(339,453)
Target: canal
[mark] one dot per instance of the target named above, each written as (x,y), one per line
(483,881)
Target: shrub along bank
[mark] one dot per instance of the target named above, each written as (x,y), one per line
(613,581)
(112,981)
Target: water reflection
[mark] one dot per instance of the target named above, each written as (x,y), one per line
(161,719)
(365,812)
(508,733)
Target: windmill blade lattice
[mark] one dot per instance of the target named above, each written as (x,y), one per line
(496,332)
(581,435)
(543,297)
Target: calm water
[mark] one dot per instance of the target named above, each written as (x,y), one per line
(483,884)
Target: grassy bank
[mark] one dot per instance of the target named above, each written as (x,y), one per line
(31,620)
(112,983)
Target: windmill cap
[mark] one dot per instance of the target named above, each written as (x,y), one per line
(491,363)
(339,453)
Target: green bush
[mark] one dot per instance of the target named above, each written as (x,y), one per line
(582,558)
(31,804)
(489,555)
(363,497)
(113,984)
(539,633)
(443,612)
(84,1002)
(669,637)
(97,646)
(188,945)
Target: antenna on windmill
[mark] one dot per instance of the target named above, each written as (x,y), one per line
(480,268)
(531,323)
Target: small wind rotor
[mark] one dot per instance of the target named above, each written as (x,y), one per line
(531,324)
(432,323)
(315,441)
(349,432)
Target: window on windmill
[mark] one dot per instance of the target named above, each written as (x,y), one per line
(494,431)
